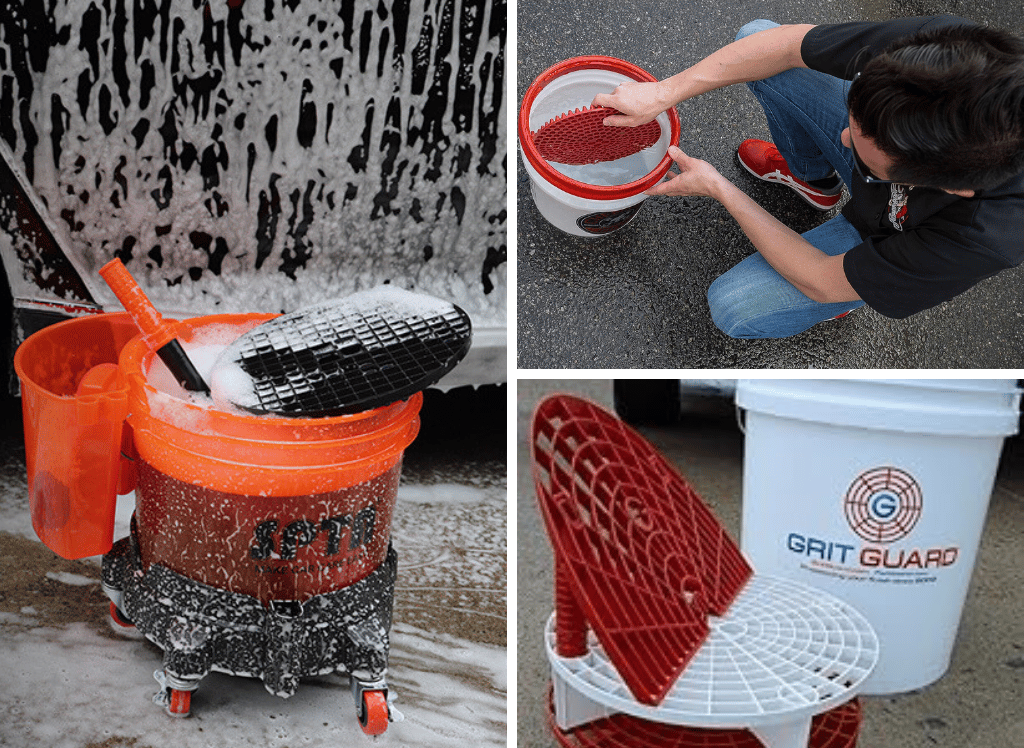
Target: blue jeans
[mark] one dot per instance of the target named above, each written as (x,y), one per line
(806,113)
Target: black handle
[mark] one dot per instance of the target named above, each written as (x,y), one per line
(181,366)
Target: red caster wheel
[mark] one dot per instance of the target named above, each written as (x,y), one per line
(180,703)
(177,702)
(373,713)
(119,618)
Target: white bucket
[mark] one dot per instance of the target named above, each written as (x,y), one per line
(561,193)
(876,491)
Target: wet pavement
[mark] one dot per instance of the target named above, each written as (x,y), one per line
(67,680)
(979,703)
(636,298)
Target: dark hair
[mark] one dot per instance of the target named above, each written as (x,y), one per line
(947,105)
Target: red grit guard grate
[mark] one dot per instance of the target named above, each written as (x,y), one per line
(836,728)
(580,137)
(638,555)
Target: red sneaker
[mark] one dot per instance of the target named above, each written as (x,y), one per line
(763,160)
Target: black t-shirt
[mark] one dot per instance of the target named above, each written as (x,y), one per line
(921,246)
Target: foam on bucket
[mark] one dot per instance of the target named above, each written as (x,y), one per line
(589,200)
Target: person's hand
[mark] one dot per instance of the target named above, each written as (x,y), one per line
(695,178)
(638,102)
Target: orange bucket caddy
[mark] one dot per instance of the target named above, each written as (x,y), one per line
(272,507)
(74,404)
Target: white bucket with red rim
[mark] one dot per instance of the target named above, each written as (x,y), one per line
(567,197)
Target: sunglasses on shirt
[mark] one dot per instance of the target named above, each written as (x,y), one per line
(862,169)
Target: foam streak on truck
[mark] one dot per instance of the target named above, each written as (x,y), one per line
(255,155)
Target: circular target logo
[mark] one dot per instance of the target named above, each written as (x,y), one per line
(883,505)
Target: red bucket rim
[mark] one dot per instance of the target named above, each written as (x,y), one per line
(568,184)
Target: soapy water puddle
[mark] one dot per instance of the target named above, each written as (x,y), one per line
(66,680)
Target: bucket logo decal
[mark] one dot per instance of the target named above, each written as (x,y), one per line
(606,223)
(885,544)
(302,532)
(883,505)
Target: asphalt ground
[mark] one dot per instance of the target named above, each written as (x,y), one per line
(637,297)
(979,703)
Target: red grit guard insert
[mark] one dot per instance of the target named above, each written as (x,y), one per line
(638,556)
(836,728)
(581,137)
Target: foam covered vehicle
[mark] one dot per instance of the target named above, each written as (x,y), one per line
(254,156)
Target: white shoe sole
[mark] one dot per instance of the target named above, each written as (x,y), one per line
(777,177)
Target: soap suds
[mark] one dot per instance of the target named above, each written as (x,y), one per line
(268,156)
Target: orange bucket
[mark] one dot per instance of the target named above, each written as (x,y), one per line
(272,507)
(74,403)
